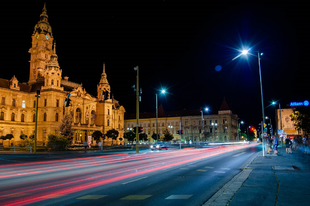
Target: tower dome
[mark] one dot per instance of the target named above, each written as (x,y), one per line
(43,26)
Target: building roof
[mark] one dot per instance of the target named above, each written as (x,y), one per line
(224,105)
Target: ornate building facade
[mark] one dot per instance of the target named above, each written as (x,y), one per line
(18,101)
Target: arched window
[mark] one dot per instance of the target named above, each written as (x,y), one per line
(108,122)
(57,83)
(52,82)
(78,115)
(2,116)
(12,117)
(108,111)
(56,117)
(13,102)
(22,118)
(44,117)
(93,117)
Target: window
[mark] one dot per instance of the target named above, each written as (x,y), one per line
(45,102)
(224,121)
(108,111)
(148,124)
(210,130)
(2,116)
(23,104)
(44,117)
(93,117)
(34,117)
(12,117)
(78,115)
(210,122)
(22,118)
(52,82)
(57,82)
(57,103)
(153,124)
(215,129)
(215,121)
(225,129)
(163,124)
(3,101)
(149,132)
(34,104)
(13,102)
(56,117)
(108,122)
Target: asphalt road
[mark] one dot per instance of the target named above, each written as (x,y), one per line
(172,177)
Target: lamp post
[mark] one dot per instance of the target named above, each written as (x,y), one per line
(239,128)
(245,52)
(162,92)
(214,125)
(202,120)
(274,103)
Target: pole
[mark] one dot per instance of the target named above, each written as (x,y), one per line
(202,123)
(281,123)
(137,111)
(156,117)
(262,99)
(36,122)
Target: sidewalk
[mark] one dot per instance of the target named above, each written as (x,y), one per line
(270,180)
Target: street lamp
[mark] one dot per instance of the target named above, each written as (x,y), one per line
(202,120)
(241,122)
(245,52)
(162,92)
(274,103)
(214,125)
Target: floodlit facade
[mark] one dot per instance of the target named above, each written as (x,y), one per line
(18,101)
(209,127)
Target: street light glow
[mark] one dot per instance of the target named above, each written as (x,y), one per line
(206,109)
(163,91)
(245,52)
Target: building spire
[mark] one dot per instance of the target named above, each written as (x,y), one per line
(103,79)
(43,25)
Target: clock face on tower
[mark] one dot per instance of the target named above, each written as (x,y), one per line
(37,36)
(47,37)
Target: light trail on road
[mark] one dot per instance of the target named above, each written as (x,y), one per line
(88,173)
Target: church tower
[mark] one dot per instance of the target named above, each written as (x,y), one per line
(52,73)
(41,50)
(103,88)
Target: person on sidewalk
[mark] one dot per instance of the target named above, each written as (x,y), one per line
(288,145)
(269,145)
(275,145)
(85,146)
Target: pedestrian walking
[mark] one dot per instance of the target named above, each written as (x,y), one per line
(288,145)
(275,146)
(85,146)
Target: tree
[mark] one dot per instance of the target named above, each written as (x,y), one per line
(57,142)
(8,136)
(301,119)
(96,135)
(130,136)
(143,137)
(112,134)
(65,127)
(154,136)
(167,136)
(23,136)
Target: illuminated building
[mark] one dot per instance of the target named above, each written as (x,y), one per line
(18,101)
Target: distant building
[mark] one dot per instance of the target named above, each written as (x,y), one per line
(214,127)
(18,101)
(283,117)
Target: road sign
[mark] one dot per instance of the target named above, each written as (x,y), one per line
(265,134)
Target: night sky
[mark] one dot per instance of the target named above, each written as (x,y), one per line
(177,45)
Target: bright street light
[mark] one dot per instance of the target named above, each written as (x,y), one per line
(163,91)
(246,52)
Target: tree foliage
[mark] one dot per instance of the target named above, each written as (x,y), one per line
(8,136)
(301,119)
(130,136)
(143,137)
(23,136)
(57,142)
(65,127)
(167,136)
(96,135)
(112,134)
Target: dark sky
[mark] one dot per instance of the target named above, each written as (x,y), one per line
(177,45)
